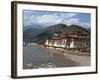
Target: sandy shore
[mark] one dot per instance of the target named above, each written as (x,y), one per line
(82,60)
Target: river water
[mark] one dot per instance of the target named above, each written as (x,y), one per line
(34,57)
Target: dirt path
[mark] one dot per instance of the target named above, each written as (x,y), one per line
(62,61)
(68,59)
(82,60)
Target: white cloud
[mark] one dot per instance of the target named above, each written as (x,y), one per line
(51,19)
(68,15)
(85,24)
(48,19)
(71,14)
(71,21)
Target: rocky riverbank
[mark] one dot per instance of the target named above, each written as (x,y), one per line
(63,51)
(84,59)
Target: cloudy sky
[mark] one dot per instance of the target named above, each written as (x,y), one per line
(47,18)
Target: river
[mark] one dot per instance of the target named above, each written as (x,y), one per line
(34,58)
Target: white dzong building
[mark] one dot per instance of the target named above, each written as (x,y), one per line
(65,40)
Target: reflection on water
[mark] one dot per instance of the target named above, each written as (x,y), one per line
(34,57)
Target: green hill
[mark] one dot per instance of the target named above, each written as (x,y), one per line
(40,35)
(30,34)
(76,28)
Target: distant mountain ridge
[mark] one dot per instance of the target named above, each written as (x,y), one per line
(35,26)
(39,35)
